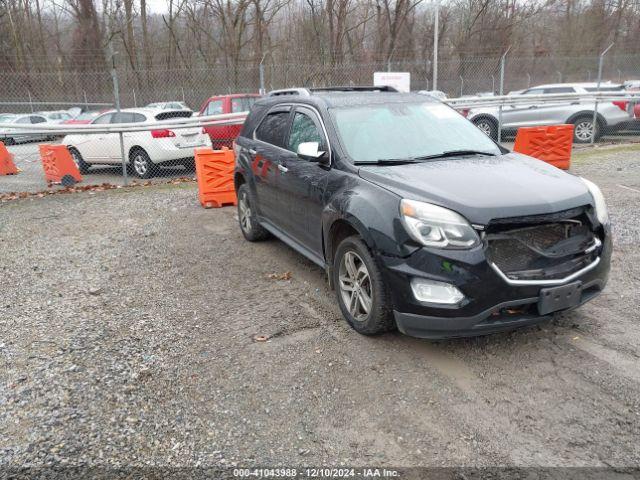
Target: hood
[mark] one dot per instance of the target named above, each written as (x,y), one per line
(482,188)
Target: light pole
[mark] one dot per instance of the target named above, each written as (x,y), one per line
(436,27)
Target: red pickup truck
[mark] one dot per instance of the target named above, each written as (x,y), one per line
(224,135)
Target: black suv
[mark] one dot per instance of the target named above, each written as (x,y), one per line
(421,221)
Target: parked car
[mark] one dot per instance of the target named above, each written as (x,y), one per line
(11,136)
(144,150)
(173,105)
(420,220)
(634,87)
(57,116)
(224,135)
(612,116)
(83,118)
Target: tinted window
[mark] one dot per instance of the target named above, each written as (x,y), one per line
(214,107)
(36,119)
(534,91)
(273,127)
(106,118)
(122,117)
(559,90)
(303,129)
(243,104)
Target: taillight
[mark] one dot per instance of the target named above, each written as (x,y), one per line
(621,104)
(464,112)
(162,133)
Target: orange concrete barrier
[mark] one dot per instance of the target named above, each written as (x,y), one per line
(7,167)
(214,171)
(58,165)
(550,144)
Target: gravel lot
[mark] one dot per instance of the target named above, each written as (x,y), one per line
(128,331)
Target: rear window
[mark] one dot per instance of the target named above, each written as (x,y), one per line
(169,115)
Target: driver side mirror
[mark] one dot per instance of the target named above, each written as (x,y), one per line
(310,151)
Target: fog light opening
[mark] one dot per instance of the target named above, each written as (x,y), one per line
(432,291)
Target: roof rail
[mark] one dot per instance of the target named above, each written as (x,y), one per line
(290,91)
(356,88)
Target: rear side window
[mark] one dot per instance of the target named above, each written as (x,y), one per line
(243,104)
(273,128)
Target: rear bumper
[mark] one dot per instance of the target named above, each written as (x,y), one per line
(491,304)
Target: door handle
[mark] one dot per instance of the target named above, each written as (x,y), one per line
(282,168)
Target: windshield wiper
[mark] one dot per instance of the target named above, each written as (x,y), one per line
(456,153)
(389,161)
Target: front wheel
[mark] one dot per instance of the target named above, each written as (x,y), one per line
(583,129)
(83,166)
(362,294)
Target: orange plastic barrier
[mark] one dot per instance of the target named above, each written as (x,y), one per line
(214,170)
(7,167)
(58,165)
(549,144)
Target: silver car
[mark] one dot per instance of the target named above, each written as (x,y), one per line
(612,116)
(11,136)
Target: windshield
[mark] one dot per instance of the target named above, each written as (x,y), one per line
(405,131)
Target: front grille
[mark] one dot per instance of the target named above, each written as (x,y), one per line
(546,251)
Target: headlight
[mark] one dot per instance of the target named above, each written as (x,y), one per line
(598,199)
(435,226)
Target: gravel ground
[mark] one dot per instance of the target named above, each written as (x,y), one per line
(128,332)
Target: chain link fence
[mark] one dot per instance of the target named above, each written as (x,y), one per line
(27,94)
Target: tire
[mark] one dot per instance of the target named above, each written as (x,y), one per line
(367,309)
(583,129)
(141,164)
(488,126)
(77,158)
(8,141)
(247,219)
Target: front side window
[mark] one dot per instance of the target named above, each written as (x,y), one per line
(214,107)
(559,90)
(273,127)
(406,131)
(303,129)
(102,119)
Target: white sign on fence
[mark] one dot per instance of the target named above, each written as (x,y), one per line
(401,81)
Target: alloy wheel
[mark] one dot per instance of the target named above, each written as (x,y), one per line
(245,212)
(485,127)
(355,286)
(140,164)
(584,130)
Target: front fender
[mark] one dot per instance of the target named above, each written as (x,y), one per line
(372,211)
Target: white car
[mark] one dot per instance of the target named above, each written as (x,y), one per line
(11,136)
(143,150)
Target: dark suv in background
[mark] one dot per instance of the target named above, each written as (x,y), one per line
(420,220)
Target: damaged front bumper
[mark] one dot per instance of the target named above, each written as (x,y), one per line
(493,301)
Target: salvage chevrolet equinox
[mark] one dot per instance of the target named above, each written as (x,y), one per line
(420,220)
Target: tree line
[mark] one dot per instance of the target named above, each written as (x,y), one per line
(82,35)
